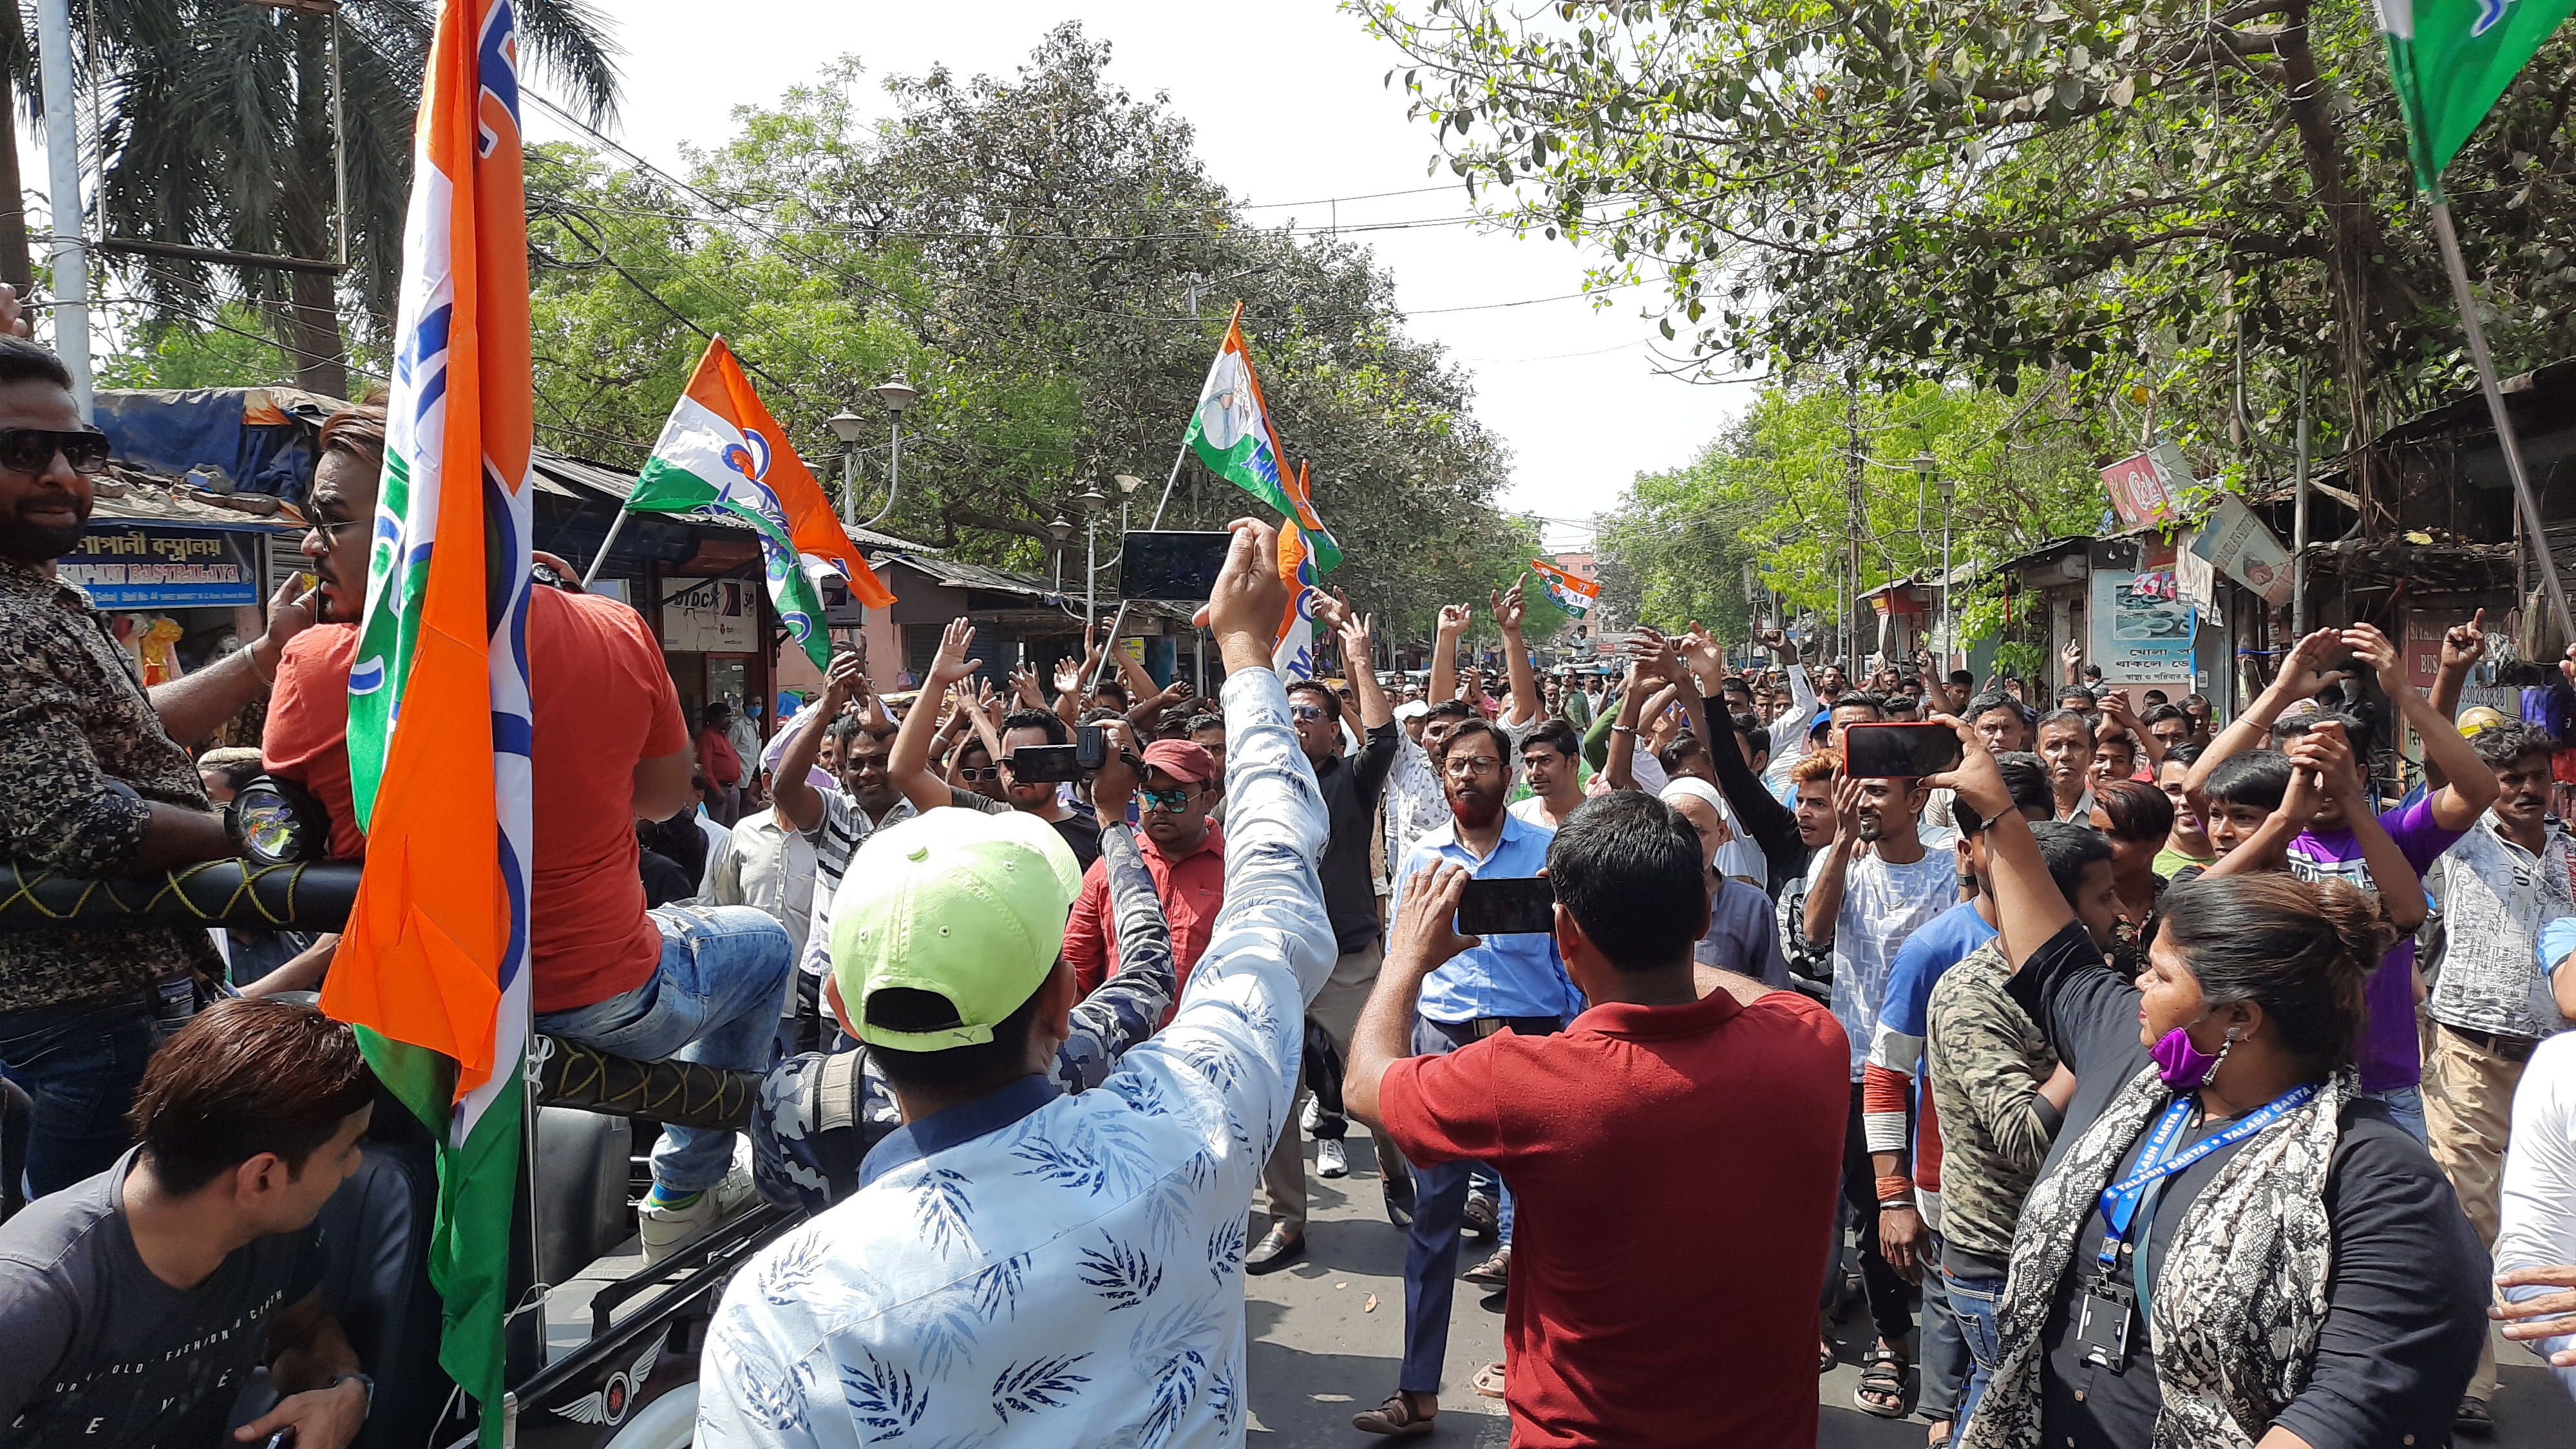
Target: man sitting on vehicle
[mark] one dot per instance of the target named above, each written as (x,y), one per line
(976,1285)
(611,747)
(135,1305)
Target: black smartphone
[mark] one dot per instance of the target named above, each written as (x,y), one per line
(1175,567)
(1508,906)
(1036,764)
(1903,751)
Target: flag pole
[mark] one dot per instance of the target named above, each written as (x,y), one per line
(600,558)
(2444,233)
(1101,669)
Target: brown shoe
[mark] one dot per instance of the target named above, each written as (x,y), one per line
(1395,1418)
(1494,1272)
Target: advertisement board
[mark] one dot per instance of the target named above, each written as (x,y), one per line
(2148,488)
(2235,543)
(157,566)
(720,616)
(2142,630)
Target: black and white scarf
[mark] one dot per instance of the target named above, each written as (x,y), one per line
(2241,1296)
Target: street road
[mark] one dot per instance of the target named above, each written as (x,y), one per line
(1320,1352)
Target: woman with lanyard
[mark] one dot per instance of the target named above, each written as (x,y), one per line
(2228,1246)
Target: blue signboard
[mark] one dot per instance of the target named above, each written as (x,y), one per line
(161,566)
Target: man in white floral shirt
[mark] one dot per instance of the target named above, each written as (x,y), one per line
(1020,1266)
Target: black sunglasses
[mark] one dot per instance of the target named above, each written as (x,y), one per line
(32,450)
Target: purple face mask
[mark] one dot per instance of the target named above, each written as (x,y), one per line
(2182,1065)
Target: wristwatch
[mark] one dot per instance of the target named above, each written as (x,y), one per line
(362,1382)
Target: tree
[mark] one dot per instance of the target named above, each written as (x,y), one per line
(217,133)
(2173,196)
(1024,251)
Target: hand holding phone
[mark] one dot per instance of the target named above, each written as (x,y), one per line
(1507,906)
(1900,751)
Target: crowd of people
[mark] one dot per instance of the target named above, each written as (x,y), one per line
(2145,1075)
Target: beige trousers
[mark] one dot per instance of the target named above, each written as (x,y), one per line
(2468,1116)
(1337,1007)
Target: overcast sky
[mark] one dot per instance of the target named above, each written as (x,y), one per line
(1289,106)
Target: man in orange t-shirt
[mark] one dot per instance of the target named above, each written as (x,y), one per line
(610,747)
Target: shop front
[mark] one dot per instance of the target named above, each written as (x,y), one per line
(179,596)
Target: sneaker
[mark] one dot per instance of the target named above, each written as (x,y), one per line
(666,1229)
(1313,1114)
(1494,1272)
(1483,1217)
(1330,1159)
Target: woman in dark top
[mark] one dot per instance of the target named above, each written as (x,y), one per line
(2289,1268)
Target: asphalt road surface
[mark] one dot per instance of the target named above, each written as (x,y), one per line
(1327,1333)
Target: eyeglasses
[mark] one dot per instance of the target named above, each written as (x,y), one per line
(972,775)
(1306,713)
(32,450)
(1170,802)
(1471,765)
(329,531)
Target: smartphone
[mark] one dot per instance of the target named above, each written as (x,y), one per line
(1036,764)
(1175,567)
(1898,751)
(1507,906)
(1090,748)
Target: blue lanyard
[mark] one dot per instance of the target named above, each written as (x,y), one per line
(2120,1200)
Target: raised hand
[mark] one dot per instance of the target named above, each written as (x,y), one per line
(951,664)
(1068,675)
(1425,932)
(2465,644)
(1025,686)
(2304,674)
(2378,653)
(846,680)
(1249,599)
(1509,606)
(1453,618)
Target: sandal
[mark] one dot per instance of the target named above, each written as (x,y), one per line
(1825,1359)
(2473,1418)
(1394,1418)
(1488,1381)
(1882,1374)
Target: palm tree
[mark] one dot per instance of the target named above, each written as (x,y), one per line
(216,125)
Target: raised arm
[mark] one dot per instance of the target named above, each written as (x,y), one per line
(1937,697)
(1358,633)
(193,705)
(1508,609)
(1825,896)
(2028,906)
(1444,653)
(1422,939)
(2118,716)
(2303,674)
(1125,1009)
(799,805)
(2469,787)
(909,767)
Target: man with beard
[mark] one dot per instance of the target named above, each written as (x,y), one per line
(1865,907)
(1513,983)
(94,780)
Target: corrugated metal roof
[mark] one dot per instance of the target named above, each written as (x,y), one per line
(141,498)
(580,478)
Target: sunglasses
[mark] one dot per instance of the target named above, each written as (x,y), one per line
(32,450)
(971,775)
(1170,802)
(1306,712)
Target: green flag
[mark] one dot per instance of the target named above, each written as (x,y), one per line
(2451,59)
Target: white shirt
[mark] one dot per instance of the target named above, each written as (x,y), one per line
(1038,1269)
(2538,1229)
(764,865)
(1789,731)
(2495,897)
(744,736)
(1882,905)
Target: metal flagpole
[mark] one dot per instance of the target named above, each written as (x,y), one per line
(605,545)
(1101,669)
(2450,240)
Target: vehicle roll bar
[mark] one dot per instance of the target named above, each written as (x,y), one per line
(314,897)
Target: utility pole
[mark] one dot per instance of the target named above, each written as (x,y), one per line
(63,196)
(1856,517)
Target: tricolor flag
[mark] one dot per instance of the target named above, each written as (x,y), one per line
(1572,592)
(1294,658)
(1233,435)
(433,967)
(2451,60)
(722,452)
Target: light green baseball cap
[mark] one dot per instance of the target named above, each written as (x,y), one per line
(968,906)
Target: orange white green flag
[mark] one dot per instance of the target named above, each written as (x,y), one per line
(721,452)
(1572,592)
(432,968)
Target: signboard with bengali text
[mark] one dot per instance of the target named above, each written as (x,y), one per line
(158,566)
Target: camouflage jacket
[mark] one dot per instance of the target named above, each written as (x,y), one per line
(821,1112)
(1986,1060)
(75,725)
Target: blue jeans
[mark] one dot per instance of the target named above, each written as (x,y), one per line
(1431,1244)
(1973,1302)
(2406,1104)
(1944,1357)
(714,999)
(80,1065)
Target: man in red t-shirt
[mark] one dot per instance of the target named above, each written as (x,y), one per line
(1688,1105)
(721,764)
(610,747)
(1183,852)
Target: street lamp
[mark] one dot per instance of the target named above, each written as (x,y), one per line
(847,426)
(897,395)
(1091,501)
(1057,530)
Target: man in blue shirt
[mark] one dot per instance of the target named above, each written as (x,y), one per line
(1504,983)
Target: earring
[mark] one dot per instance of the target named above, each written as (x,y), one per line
(2224,1047)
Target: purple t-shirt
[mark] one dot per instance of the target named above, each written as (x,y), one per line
(2390,1057)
